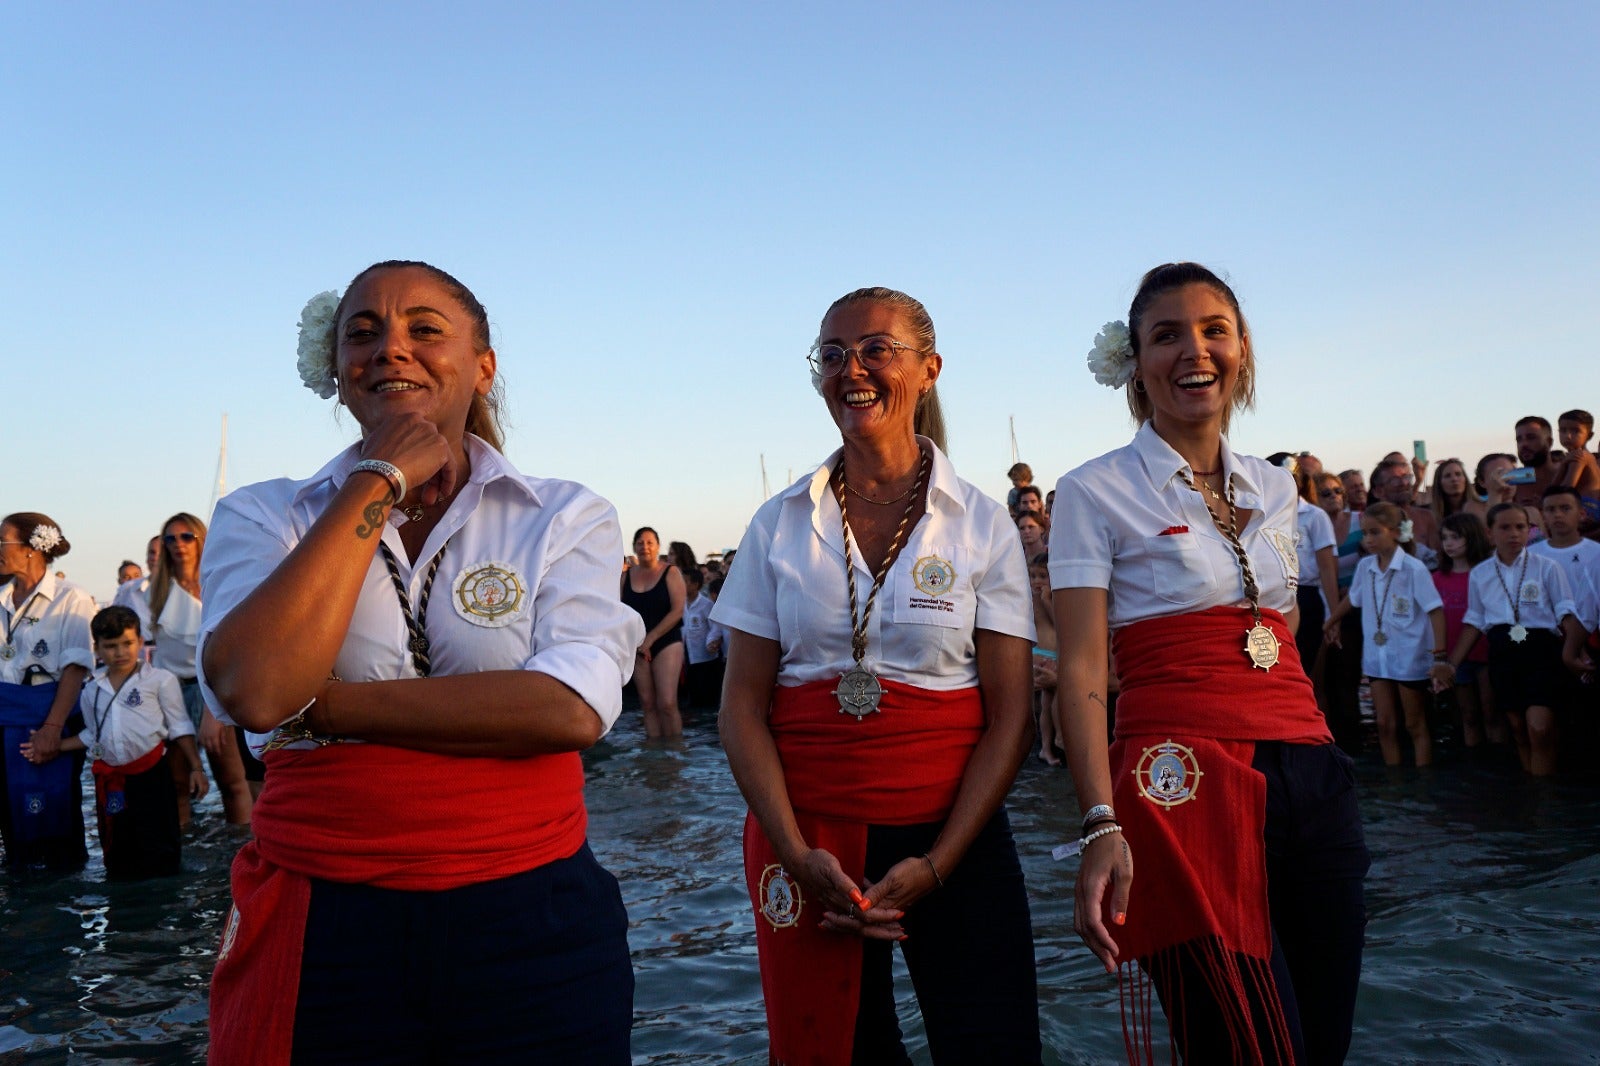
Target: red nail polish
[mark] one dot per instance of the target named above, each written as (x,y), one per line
(902,936)
(1120,918)
(857,898)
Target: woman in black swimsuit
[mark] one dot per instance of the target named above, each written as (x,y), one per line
(655,589)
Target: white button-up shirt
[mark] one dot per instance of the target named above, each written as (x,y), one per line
(1127,523)
(128,723)
(1581,563)
(528,580)
(1399,599)
(1543,596)
(960,569)
(1313,532)
(49,629)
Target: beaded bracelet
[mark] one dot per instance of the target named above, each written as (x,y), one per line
(1098,833)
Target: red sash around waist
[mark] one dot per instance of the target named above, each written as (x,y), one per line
(900,766)
(378,815)
(108,778)
(1191,709)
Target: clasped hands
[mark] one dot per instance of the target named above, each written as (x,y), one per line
(872,910)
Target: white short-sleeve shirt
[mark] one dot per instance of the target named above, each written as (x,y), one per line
(1537,583)
(1313,532)
(961,569)
(1127,523)
(127,723)
(527,581)
(1400,599)
(48,629)
(1581,563)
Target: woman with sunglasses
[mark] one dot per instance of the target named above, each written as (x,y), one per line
(171,617)
(875,712)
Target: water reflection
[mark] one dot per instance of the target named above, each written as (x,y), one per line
(1484,943)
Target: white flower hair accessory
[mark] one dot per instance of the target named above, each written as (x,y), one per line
(1111,358)
(1405,531)
(44,538)
(316,343)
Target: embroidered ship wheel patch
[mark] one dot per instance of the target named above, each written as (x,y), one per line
(780,897)
(1168,774)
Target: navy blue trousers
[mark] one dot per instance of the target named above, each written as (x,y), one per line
(969,948)
(532,968)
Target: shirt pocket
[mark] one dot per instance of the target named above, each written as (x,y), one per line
(934,588)
(1178,573)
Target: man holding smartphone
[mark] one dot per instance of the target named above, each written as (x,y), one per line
(1534,439)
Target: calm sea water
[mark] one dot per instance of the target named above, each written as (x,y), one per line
(1484,943)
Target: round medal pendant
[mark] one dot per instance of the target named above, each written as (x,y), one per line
(1261,644)
(858,692)
(1380,638)
(7,651)
(97,753)
(1519,633)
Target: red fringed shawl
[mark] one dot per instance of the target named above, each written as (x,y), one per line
(1193,810)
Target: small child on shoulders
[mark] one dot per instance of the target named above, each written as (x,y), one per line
(131,711)
(1402,624)
(1521,599)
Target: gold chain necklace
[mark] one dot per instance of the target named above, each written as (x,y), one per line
(859,690)
(1260,643)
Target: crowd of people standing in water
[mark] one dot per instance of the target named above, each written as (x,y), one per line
(418,628)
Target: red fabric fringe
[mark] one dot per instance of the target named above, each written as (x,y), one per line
(1201,891)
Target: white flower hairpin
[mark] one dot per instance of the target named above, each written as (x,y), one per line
(316,343)
(44,538)
(1111,358)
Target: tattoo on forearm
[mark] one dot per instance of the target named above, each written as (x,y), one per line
(374,514)
(1096,697)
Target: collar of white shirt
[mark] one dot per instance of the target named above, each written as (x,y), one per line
(488,465)
(1162,463)
(944,493)
(42,594)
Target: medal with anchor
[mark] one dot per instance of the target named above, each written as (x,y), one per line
(1260,643)
(859,691)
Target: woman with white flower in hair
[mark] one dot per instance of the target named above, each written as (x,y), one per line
(420,640)
(46,655)
(1222,779)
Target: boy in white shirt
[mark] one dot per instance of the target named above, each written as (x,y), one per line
(1524,604)
(1578,558)
(705,668)
(130,712)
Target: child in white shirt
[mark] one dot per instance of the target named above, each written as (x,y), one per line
(130,713)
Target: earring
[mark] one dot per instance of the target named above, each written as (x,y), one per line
(1138,385)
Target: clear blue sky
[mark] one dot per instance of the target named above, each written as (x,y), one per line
(657,202)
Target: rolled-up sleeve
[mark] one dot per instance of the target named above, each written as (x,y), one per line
(583,635)
(76,646)
(1081,546)
(243,547)
(749,599)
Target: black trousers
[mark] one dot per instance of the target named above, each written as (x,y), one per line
(531,968)
(1317,864)
(969,947)
(141,839)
